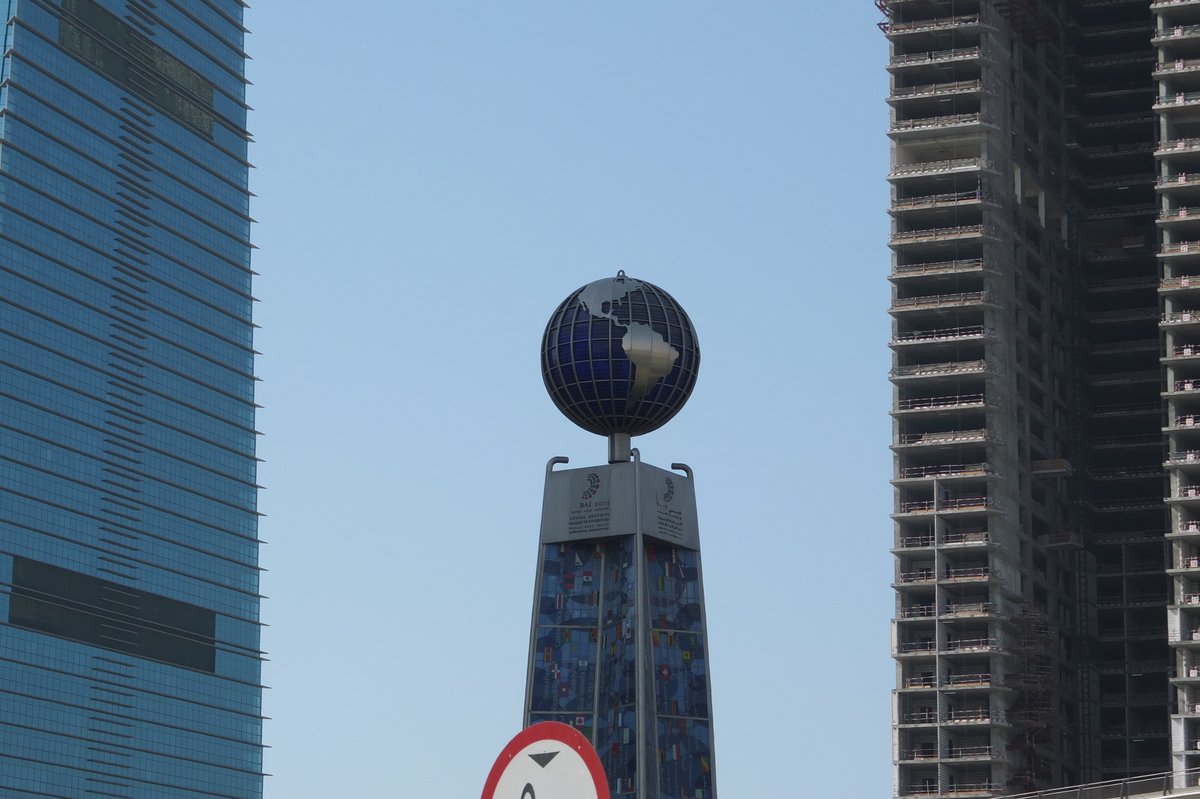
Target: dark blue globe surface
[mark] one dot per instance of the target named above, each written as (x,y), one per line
(620,356)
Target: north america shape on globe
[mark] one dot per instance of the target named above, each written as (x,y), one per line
(649,352)
(620,356)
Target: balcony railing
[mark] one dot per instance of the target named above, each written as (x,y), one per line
(1120,282)
(945,437)
(1189,562)
(1178,31)
(1128,503)
(956,680)
(942,300)
(909,542)
(933,369)
(1181,317)
(918,612)
(1178,65)
(918,646)
(968,573)
(1183,282)
(963,752)
(1179,247)
(973,714)
(1178,144)
(947,470)
(970,608)
(1182,212)
(1184,351)
(1115,211)
(918,576)
(1134,698)
(943,334)
(1122,377)
(1188,492)
(1124,472)
(959,503)
(1118,149)
(1113,120)
(1125,409)
(931,200)
(1181,179)
(932,89)
(1109,254)
(936,167)
(956,401)
(941,233)
(968,503)
(965,537)
(955,54)
(1126,441)
(920,717)
(934,24)
(1134,632)
(1131,566)
(945,121)
(966,680)
(938,267)
(1063,539)
(1134,666)
(1179,98)
(1185,456)
(1134,599)
(1187,420)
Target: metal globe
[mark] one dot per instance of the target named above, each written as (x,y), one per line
(620,357)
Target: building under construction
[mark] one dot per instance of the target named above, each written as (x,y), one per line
(1045,185)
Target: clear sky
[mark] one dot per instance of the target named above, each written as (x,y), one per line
(433,178)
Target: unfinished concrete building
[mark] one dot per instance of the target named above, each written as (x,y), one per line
(1045,181)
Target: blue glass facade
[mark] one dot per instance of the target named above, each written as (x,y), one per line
(129,643)
(585,662)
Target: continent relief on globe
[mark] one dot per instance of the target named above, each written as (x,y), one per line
(652,357)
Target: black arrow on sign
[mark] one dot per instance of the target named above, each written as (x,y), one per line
(544,758)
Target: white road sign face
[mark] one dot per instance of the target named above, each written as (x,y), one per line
(547,761)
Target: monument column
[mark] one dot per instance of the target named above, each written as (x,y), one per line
(618,639)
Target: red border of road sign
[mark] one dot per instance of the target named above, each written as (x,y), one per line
(549,731)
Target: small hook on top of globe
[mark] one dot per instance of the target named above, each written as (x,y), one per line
(620,359)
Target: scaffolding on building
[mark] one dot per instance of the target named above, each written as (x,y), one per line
(1033,639)
(1026,19)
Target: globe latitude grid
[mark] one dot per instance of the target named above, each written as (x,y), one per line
(590,377)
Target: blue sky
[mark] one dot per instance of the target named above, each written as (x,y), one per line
(433,178)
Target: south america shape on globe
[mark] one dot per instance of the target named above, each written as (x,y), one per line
(651,355)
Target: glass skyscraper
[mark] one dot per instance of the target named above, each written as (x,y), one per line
(129,643)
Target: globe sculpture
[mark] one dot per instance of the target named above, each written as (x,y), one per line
(619,359)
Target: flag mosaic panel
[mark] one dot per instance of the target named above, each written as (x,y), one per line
(585,667)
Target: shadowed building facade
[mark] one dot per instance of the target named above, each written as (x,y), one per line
(129,631)
(1046,373)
